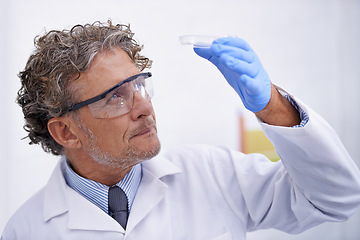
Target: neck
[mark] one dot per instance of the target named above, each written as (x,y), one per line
(87,167)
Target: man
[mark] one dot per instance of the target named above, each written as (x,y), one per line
(84,97)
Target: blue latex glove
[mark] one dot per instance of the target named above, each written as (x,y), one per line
(242,69)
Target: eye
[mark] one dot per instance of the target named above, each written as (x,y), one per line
(116,97)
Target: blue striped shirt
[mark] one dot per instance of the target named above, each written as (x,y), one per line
(97,193)
(303,115)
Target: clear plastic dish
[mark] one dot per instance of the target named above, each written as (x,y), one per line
(199,41)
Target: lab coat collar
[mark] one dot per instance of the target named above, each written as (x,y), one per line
(59,198)
(55,202)
(160,167)
(151,190)
(85,215)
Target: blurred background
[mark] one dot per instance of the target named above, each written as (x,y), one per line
(309,47)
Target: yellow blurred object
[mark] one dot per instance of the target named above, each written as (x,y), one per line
(255,141)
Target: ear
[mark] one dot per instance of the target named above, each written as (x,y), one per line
(60,130)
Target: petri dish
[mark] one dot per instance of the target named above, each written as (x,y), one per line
(199,41)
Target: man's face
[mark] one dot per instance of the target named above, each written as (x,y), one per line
(120,141)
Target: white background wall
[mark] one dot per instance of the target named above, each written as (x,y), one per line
(309,47)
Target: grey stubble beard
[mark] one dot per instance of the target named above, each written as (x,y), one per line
(130,157)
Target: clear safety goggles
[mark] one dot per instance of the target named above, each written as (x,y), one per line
(119,99)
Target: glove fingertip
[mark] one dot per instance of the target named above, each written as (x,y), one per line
(203,52)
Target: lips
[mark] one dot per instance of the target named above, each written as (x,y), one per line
(144,130)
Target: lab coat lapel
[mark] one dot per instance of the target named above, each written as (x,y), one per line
(151,190)
(87,216)
(59,199)
(54,194)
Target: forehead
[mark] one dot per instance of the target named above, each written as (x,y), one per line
(106,70)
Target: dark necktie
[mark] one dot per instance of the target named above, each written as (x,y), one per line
(118,205)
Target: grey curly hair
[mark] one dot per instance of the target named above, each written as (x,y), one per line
(58,59)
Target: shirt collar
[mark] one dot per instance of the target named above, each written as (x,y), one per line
(97,193)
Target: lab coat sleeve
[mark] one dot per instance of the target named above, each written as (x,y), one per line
(325,182)
(315,181)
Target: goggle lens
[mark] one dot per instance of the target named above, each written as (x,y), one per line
(120,100)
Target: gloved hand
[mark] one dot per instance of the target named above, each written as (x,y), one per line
(242,69)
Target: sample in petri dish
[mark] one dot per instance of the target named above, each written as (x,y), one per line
(199,41)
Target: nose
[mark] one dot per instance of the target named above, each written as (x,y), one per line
(141,107)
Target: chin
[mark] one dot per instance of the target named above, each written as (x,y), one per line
(147,153)
(129,157)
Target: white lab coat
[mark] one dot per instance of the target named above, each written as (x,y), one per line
(201,192)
